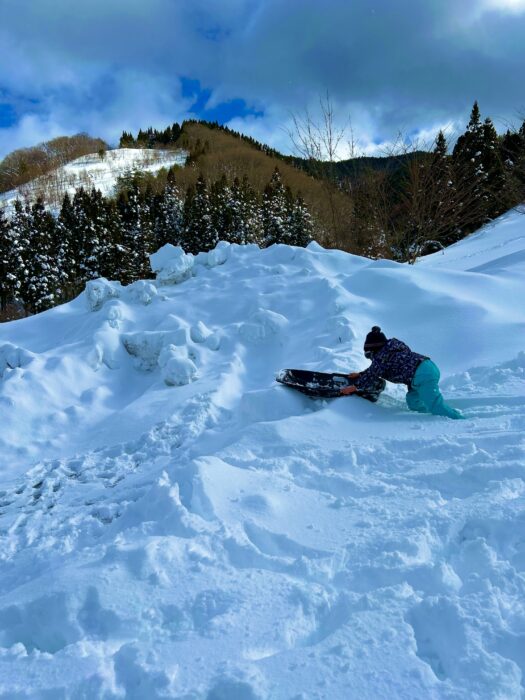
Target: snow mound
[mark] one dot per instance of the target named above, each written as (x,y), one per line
(141,292)
(99,291)
(177,368)
(175,524)
(12,357)
(264,325)
(219,254)
(171,264)
(199,332)
(146,346)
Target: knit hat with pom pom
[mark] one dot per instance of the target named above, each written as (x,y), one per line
(375,340)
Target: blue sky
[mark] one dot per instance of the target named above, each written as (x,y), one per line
(222,112)
(390,66)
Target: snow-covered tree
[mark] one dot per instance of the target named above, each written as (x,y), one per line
(11,262)
(300,224)
(65,232)
(199,230)
(251,223)
(168,214)
(137,235)
(496,183)
(20,227)
(43,284)
(471,175)
(277,205)
(222,210)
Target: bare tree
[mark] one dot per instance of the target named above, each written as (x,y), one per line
(433,203)
(26,164)
(319,141)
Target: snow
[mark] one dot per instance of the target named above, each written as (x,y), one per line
(498,245)
(173,523)
(172,264)
(92,171)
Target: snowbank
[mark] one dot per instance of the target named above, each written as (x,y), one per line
(175,524)
(12,357)
(171,264)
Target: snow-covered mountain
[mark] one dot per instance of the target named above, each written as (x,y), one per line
(99,171)
(175,524)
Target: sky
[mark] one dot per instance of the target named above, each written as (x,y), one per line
(390,67)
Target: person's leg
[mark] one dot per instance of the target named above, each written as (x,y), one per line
(414,402)
(426,385)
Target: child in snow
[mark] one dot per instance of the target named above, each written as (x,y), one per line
(394,361)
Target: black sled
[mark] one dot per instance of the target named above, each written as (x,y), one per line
(326,385)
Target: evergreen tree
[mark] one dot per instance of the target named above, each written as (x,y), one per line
(187,232)
(222,210)
(6,288)
(115,253)
(43,287)
(252,214)
(511,148)
(126,140)
(20,231)
(496,189)
(101,244)
(300,224)
(469,146)
(67,234)
(137,236)
(200,233)
(277,207)
(518,170)
(470,175)
(79,218)
(238,214)
(168,214)
(11,262)
(92,234)
(441,194)
(512,154)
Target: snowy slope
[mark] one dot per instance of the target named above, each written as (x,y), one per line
(229,538)
(92,171)
(497,247)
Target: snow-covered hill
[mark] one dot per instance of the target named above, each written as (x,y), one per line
(498,246)
(175,524)
(92,171)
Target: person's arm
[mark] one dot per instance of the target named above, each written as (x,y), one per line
(370,375)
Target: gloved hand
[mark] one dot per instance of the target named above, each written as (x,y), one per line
(348,390)
(354,375)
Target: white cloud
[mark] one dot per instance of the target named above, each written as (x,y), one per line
(512,6)
(103,67)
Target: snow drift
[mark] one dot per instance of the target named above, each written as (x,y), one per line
(175,524)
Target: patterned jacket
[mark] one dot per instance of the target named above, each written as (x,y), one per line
(395,362)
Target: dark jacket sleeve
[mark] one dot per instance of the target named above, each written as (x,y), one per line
(370,376)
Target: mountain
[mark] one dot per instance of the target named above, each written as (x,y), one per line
(173,523)
(352,169)
(215,151)
(203,149)
(93,170)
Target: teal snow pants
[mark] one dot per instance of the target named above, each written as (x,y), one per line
(424,395)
